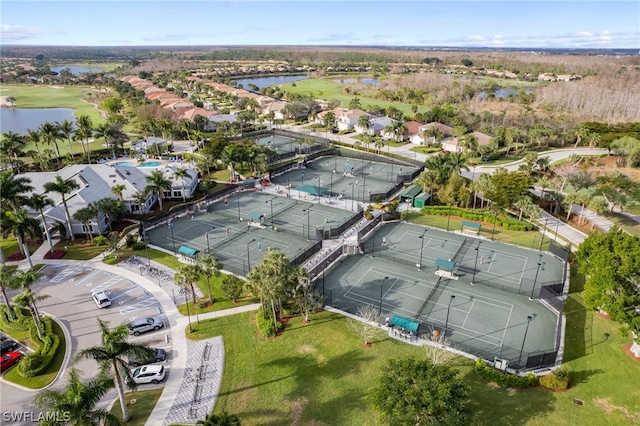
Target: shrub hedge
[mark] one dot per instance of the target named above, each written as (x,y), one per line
(485,216)
(503,379)
(264,322)
(558,380)
(39,361)
(139,245)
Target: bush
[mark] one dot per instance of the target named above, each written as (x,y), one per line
(503,379)
(55,254)
(484,216)
(16,256)
(558,380)
(139,245)
(264,322)
(100,240)
(130,240)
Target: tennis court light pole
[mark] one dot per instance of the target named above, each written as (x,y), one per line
(475,266)
(535,279)
(495,212)
(449,217)
(173,240)
(529,318)
(238,199)
(546,219)
(446,323)
(352,188)
(308,210)
(248,257)
(206,234)
(380,301)
(421,248)
(271,203)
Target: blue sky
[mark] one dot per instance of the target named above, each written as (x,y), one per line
(542,24)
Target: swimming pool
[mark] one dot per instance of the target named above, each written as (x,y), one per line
(124,164)
(150,164)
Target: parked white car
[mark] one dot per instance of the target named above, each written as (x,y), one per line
(148,374)
(101,299)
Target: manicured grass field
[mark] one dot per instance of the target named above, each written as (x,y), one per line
(319,373)
(48,376)
(145,401)
(52,96)
(80,249)
(105,66)
(10,246)
(327,89)
(629,225)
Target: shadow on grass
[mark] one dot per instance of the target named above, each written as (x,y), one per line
(513,407)
(578,377)
(579,329)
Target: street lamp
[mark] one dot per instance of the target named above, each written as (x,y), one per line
(475,266)
(529,318)
(364,186)
(303,177)
(380,301)
(271,203)
(449,217)
(421,248)
(185,291)
(248,257)
(308,210)
(206,234)
(446,323)
(238,202)
(331,190)
(535,279)
(543,231)
(373,244)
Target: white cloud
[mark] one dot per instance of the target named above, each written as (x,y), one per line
(18,32)
(476,38)
(585,34)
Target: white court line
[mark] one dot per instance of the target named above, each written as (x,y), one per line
(468,312)
(507,324)
(523,269)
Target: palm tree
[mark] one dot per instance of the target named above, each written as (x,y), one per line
(66,129)
(364,122)
(13,189)
(117,190)
(85,215)
(157,184)
(50,135)
(222,419)
(27,299)
(77,401)
(230,156)
(181,173)
(39,202)
(581,132)
(35,137)
(9,146)
(209,266)
(434,132)
(85,126)
(110,356)
(457,161)
(111,208)
(63,187)
(9,280)
(20,224)
(186,276)
(270,279)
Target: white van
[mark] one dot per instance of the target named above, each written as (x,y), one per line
(101,299)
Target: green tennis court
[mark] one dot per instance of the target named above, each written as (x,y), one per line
(485,318)
(238,228)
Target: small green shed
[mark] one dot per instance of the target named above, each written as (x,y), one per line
(410,193)
(421,200)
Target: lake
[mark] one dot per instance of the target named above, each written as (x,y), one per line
(76,70)
(270,81)
(504,93)
(18,120)
(367,81)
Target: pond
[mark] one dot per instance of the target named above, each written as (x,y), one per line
(75,70)
(19,120)
(504,92)
(367,81)
(270,81)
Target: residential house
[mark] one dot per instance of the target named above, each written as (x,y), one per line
(379,124)
(453,145)
(421,139)
(347,119)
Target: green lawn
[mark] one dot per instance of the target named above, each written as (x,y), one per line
(10,246)
(529,239)
(48,376)
(145,401)
(327,89)
(426,149)
(629,225)
(80,249)
(105,66)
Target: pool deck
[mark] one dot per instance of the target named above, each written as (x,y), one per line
(173,161)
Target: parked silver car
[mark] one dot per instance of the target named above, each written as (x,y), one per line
(142,325)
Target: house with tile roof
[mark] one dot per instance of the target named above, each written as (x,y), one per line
(95,182)
(420,138)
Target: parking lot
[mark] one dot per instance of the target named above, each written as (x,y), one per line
(70,301)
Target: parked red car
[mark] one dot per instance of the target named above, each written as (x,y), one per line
(9,359)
